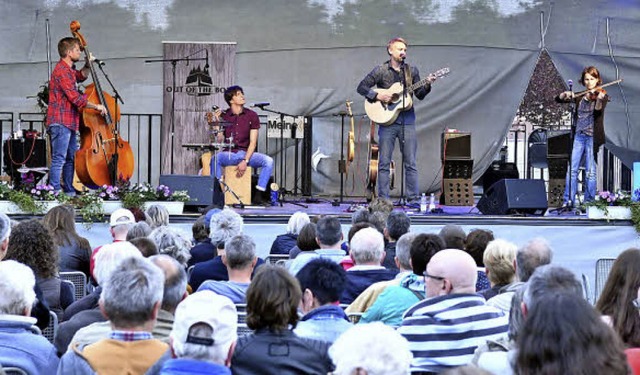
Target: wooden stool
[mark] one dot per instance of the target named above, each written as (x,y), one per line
(241,186)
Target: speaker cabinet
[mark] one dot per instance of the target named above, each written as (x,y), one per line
(558,167)
(455,145)
(200,188)
(555,196)
(558,144)
(458,192)
(498,171)
(458,169)
(510,196)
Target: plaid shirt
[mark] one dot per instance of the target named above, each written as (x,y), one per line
(65,101)
(130,335)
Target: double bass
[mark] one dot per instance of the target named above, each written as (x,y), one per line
(103,157)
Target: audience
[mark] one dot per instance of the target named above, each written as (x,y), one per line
(138,230)
(306,241)
(444,329)
(453,236)
(203,335)
(499,259)
(285,242)
(74,251)
(322,282)
(272,301)
(173,243)
(157,216)
(371,349)
(475,244)
(203,249)
(398,223)
(367,253)
(131,298)
(616,300)
(146,247)
(19,345)
(329,237)
(31,244)
(240,259)
(120,221)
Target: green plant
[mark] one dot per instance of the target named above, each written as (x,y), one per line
(26,202)
(606,199)
(5,191)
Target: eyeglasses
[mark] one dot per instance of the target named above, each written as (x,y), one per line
(636,303)
(439,278)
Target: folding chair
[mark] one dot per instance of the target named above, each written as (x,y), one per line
(52,329)
(354,317)
(79,281)
(603,267)
(13,371)
(274,258)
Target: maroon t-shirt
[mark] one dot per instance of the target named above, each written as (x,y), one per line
(239,127)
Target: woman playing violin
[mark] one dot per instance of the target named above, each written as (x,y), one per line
(588,130)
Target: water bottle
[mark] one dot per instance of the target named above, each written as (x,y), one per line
(423,203)
(432,202)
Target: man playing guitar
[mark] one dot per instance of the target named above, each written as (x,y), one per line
(384,76)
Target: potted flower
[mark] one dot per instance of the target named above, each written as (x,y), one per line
(619,205)
(110,197)
(173,201)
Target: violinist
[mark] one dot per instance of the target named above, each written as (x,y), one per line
(588,128)
(63,113)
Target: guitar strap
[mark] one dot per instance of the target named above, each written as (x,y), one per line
(407,73)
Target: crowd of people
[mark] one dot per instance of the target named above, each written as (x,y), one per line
(385,300)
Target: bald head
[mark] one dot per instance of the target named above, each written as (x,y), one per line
(451,271)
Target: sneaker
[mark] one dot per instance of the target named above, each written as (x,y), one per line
(260,188)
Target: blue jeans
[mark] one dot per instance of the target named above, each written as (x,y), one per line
(258,160)
(64,145)
(582,145)
(387,140)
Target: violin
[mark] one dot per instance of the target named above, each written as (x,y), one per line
(593,93)
(103,157)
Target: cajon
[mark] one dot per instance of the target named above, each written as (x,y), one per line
(241,186)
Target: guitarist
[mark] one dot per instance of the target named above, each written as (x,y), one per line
(383,76)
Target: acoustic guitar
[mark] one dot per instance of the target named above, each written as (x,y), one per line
(351,145)
(387,113)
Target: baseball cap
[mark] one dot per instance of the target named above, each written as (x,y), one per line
(209,215)
(121,216)
(210,308)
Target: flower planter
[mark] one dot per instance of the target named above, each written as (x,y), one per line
(48,205)
(109,206)
(9,207)
(174,208)
(614,213)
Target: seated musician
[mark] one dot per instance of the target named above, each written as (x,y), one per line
(241,126)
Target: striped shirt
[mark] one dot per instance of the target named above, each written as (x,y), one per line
(444,331)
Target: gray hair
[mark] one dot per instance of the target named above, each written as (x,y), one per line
(175,280)
(297,221)
(172,243)
(403,249)
(131,292)
(375,348)
(110,256)
(535,253)
(139,229)
(329,230)
(516,319)
(398,223)
(224,225)
(367,246)
(453,236)
(239,251)
(547,279)
(157,216)
(361,214)
(16,288)
(5,227)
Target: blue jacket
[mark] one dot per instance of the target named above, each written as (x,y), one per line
(185,366)
(21,347)
(213,269)
(284,243)
(359,280)
(326,323)
(202,252)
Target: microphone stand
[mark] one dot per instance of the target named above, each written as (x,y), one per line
(402,202)
(282,190)
(113,163)
(173,92)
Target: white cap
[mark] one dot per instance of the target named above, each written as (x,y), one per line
(121,216)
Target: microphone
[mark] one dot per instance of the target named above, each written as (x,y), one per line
(570,83)
(214,108)
(99,62)
(260,105)
(187,60)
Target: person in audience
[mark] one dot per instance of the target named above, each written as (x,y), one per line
(383,206)
(329,237)
(75,251)
(86,310)
(403,262)
(360,215)
(272,302)
(497,356)
(444,329)
(31,244)
(40,309)
(19,345)
(240,258)
(203,336)
(532,255)
(499,258)
(285,242)
(202,249)
(453,236)
(398,223)
(157,216)
(173,243)
(223,225)
(120,221)
(396,299)
(306,241)
(466,370)
(563,334)
(138,230)
(146,246)
(616,300)
(322,282)
(131,298)
(371,349)
(475,244)
(367,253)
